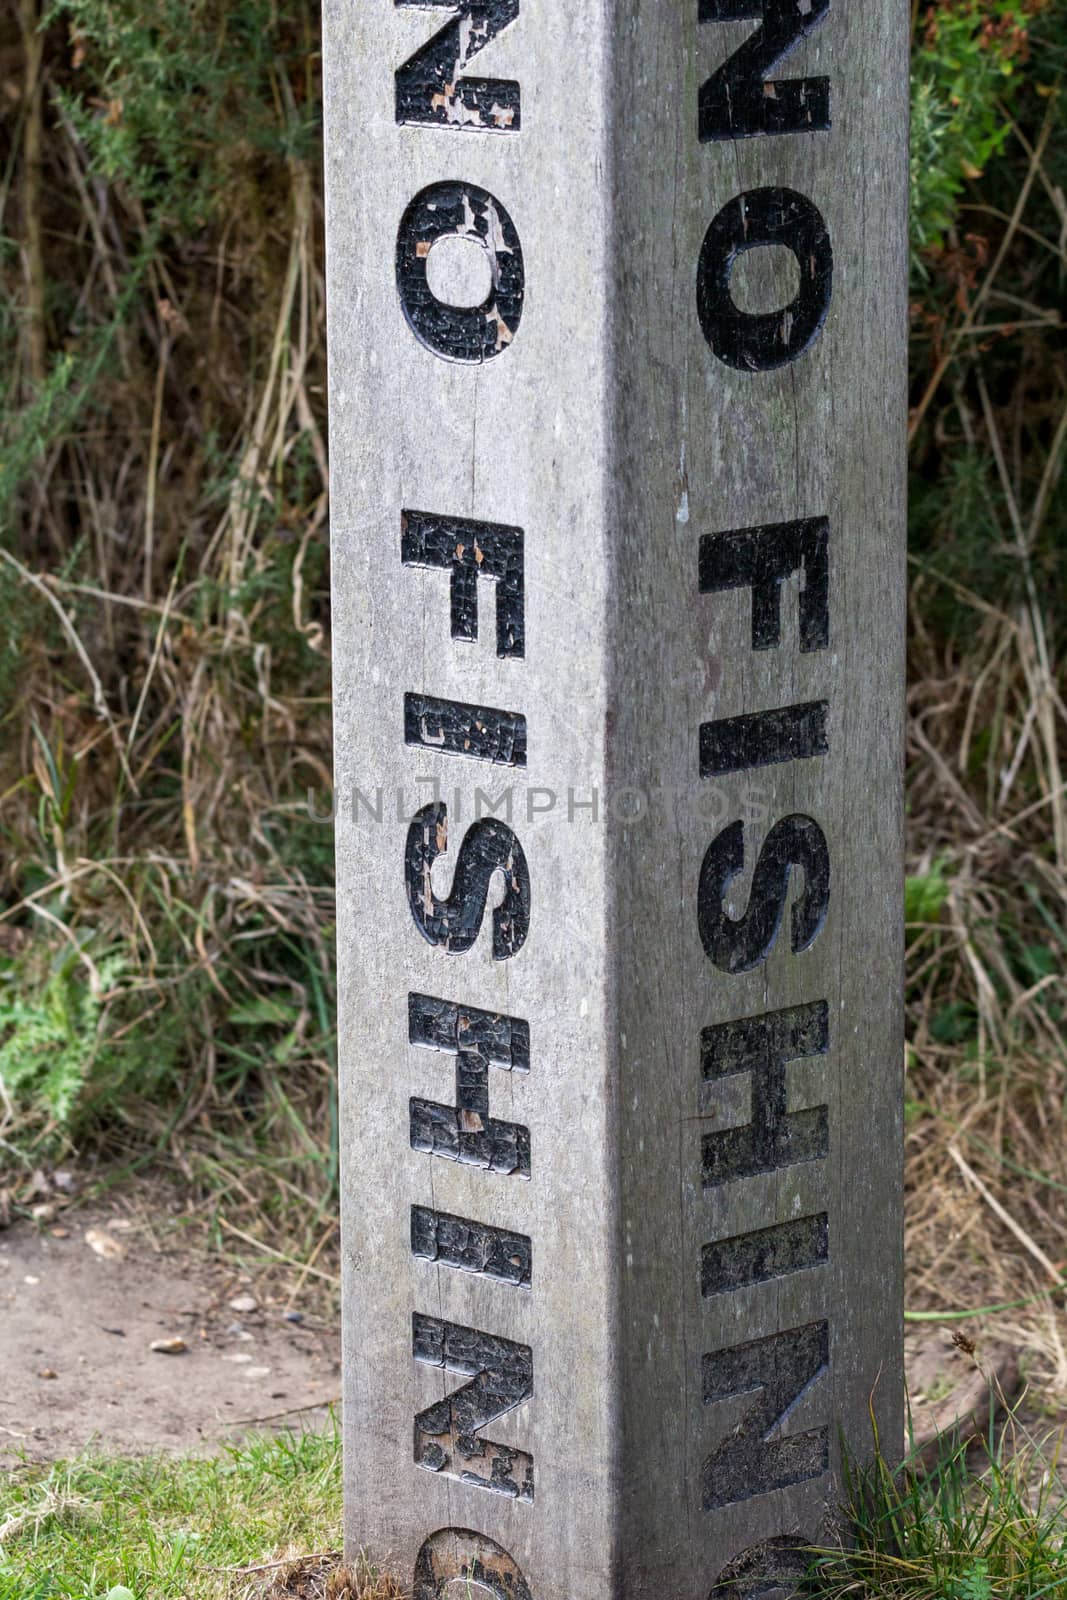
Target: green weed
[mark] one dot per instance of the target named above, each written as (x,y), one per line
(988,1523)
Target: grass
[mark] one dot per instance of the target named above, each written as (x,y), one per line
(226,1527)
(262,1522)
(988,1523)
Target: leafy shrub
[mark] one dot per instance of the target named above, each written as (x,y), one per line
(173,97)
(50,1030)
(966,58)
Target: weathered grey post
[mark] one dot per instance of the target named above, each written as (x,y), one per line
(617,326)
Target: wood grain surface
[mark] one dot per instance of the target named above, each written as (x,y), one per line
(618,554)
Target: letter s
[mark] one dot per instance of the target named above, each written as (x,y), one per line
(488,846)
(738,944)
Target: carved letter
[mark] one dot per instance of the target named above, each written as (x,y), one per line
(471,550)
(460,333)
(456,1560)
(466,1132)
(738,100)
(446,1433)
(773,1137)
(430,87)
(748,1258)
(790,733)
(488,846)
(761,559)
(737,945)
(457,729)
(472,1246)
(778,1370)
(758,341)
(770,1570)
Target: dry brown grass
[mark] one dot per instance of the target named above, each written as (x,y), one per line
(986,1146)
(323,1578)
(167,707)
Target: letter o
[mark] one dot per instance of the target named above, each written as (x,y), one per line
(458,1555)
(460,333)
(760,341)
(766,1571)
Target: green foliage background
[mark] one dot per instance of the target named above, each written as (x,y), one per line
(166,967)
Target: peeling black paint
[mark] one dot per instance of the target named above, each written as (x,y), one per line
(466,1132)
(460,333)
(773,1137)
(472,1246)
(777,1370)
(455,728)
(761,738)
(736,945)
(761,559)
(759,341)
(774,1252)
(454,1561)
(429,85)
(739,100)
(470,1138)
(470,550)
(488,846)
(444,1025)
(446,1433)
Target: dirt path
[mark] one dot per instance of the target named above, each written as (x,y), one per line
(86,1293)
(79,1314)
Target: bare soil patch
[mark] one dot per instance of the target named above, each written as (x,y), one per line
(80,1313)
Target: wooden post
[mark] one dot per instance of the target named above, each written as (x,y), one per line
(617,356)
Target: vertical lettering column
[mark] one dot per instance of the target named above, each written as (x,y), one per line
(469,207)
(760,321)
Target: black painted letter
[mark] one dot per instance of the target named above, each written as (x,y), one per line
(737,944)
(773,1567)
(777,1370)
(738,100)
(765,1254)
(760,738)
(460,333)
(471,550)
(429,86)
(760,341)
(488,846)
(446,1433)
(457,729)
(761,559)
(466,1132)
(773,1137)
(470,1246)
(459,1556)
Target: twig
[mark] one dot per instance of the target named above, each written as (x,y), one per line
(290,1411)
(286,1561)
(33,46)
(309,1264)
(156,648)
(99,697)
(1009,1221)
(153,470)
(279,1255)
